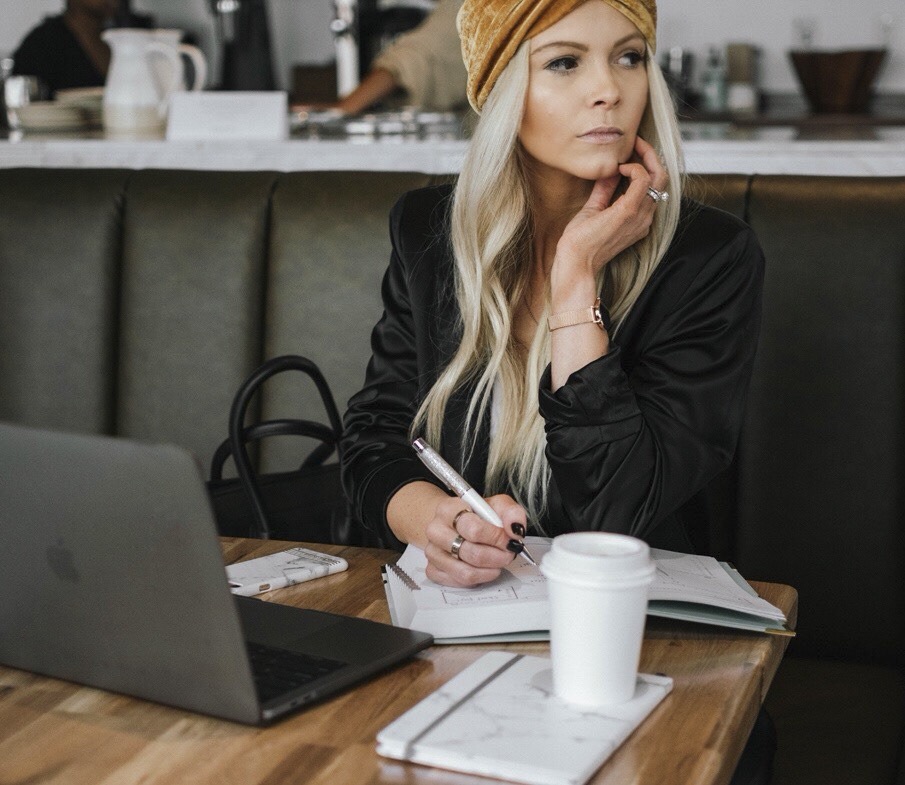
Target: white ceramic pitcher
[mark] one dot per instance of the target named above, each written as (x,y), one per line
(145,68)
(172,37)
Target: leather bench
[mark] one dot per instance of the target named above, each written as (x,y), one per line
(134,302)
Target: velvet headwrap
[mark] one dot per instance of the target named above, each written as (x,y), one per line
(492,31)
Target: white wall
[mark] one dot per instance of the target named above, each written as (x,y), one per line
(300,29)
(17,18)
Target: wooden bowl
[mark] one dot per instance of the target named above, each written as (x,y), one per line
(839,82)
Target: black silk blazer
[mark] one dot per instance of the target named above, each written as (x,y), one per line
(631,437)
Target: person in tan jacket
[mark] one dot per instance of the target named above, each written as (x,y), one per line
(425,63)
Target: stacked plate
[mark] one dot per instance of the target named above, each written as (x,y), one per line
(74,109)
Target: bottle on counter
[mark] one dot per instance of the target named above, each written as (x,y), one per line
(6,70)
(713,83)
(677,67)
(742,92)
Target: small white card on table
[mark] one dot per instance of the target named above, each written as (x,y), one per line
(228,115)
(498,718)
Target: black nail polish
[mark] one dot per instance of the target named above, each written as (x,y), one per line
(514,546)
(518,530)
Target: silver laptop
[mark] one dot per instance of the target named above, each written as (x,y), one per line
(111,575)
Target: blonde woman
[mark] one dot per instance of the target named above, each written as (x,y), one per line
(566,330)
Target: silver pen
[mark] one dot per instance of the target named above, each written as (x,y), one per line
(459,486)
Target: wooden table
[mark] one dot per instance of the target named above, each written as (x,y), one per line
(56,732)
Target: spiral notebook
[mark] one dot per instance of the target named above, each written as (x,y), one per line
(499,718)
(514,607)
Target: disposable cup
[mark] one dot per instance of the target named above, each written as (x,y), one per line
(598,586)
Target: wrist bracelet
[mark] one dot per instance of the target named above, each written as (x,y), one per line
(591,315)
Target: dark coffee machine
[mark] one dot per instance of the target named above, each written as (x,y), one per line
(244,37)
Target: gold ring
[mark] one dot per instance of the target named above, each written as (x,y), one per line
(456,546)
(459,514)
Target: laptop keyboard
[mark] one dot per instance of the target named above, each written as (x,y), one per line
(278,671)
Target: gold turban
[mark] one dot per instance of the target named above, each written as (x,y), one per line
(492,31)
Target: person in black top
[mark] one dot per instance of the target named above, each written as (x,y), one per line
(573,335)
(573,339)
(67,51)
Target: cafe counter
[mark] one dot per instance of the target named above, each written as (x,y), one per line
(710,148)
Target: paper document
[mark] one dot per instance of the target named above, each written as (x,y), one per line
(686,586)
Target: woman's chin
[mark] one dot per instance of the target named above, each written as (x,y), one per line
(601,172)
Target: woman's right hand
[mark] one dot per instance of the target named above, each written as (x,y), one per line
(605,227)
(482,552)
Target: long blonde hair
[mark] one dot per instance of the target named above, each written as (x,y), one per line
(491,239)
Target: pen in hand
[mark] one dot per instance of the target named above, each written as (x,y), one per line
(459,486)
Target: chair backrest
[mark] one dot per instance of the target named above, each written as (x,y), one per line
(822,459)
(193,270)
(60,236)
(136,302)
(329,249)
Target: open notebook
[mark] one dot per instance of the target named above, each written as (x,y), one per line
(686,586)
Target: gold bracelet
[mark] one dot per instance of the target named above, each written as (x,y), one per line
(581,316)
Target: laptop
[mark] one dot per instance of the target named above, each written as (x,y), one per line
(111,575)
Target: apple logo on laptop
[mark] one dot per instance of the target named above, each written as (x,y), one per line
(59,557)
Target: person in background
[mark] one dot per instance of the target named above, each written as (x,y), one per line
(67,51)
(425,63)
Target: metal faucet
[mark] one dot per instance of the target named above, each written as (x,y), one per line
(226,11)
(345,31)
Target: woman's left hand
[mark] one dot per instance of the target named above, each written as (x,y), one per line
(604,227)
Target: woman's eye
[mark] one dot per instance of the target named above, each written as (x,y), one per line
(631,59)
(566,63)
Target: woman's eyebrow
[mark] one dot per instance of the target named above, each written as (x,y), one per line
(585,47)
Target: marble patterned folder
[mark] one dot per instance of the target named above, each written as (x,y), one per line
(499,718)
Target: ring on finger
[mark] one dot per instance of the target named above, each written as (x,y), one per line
(658,196)
(457,546)
(459,514)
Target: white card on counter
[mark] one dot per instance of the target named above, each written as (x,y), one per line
(278,570)
(499,718)
(228,115)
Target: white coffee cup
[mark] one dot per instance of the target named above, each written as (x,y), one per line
(598,585)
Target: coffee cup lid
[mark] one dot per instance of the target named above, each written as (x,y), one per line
(598,556)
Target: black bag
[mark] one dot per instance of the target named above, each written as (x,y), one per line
(306,504)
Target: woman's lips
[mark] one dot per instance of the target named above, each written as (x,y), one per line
(604,134)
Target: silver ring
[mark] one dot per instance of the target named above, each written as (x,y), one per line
(456,546)
(459,514)
(658,196)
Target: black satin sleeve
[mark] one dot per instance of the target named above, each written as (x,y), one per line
(377,458)
(634,434)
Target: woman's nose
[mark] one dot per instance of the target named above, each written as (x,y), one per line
(605,89)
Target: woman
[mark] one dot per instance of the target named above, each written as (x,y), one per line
(67,51)
(567,411)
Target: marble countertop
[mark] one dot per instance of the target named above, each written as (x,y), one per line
(709,148)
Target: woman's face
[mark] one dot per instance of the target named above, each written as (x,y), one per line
(102,9)
(587,92)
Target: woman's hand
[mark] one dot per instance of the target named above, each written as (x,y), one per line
(601,230)
(482,553)
(605,227)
